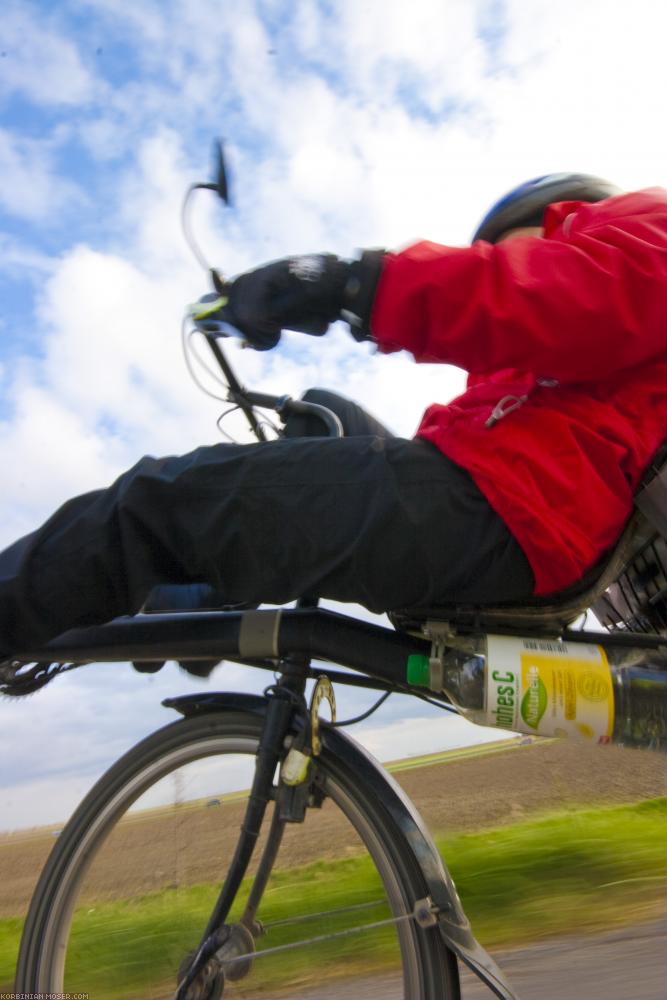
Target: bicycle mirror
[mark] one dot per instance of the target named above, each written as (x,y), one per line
(220,173)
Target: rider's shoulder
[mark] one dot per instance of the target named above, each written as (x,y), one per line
(631,211)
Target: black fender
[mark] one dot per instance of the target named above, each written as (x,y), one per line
(452,921)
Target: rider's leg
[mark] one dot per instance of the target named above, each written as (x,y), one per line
(386,523)
(355,421)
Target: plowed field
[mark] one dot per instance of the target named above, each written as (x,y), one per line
(452,796)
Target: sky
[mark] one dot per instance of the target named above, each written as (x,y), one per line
(347,124)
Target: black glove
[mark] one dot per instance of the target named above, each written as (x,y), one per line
(305,294)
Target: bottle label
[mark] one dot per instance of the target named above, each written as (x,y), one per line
(549,688)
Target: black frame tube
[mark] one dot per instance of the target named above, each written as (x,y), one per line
(313,632)
(237,394)
(373,650)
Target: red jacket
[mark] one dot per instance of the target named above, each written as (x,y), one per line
(568,332)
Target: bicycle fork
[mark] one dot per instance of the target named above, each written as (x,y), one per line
(201,970)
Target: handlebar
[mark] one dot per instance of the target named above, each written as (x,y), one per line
(284,406)
(207,316)
(328,417)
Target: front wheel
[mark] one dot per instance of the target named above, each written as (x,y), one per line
(131,882)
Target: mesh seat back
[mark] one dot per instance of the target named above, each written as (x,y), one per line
(637,600)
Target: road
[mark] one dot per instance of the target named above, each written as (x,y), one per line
(628,964)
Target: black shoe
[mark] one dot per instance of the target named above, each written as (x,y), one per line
(187,597)
(198,668)
(174,597)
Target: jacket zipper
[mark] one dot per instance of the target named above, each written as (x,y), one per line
(510,403)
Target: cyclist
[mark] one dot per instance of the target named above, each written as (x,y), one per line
(556,310)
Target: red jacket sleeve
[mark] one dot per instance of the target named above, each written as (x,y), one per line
(587,301)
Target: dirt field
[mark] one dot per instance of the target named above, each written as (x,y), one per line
(183,846)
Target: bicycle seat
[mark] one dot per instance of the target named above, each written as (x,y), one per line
(626,589)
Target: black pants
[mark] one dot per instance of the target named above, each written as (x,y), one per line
(370,518)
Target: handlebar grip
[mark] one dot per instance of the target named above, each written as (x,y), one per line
(285,406)
(328,417)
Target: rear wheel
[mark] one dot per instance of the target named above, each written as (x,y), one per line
(132,880)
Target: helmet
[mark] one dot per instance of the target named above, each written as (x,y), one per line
(525,205)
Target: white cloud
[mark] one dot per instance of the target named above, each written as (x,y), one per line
(38,61)
(30,186)
(428,52)
(147,24)
(24,261)
(584,92)
(416,735)
(87,719)
(53,454)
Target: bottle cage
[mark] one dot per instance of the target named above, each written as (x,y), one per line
(637,600)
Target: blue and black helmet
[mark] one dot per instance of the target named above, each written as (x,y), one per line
(525,204)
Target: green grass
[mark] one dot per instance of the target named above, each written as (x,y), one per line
(581,870)
(573,872)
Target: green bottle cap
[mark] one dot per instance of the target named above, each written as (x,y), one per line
(419,670)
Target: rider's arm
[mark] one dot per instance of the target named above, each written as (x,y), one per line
(590,297)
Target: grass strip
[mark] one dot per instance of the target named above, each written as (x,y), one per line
(575,871)
(567,872)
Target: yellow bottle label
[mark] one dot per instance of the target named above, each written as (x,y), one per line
(549,688)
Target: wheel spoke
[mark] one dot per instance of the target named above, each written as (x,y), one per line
(320,938)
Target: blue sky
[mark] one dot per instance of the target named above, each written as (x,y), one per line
(348,124)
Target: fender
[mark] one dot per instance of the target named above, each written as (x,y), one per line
(452,921)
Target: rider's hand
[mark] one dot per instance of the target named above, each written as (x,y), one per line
(306,294)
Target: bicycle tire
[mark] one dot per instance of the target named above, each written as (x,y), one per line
(48,950)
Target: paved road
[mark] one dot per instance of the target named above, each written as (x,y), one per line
(629,964)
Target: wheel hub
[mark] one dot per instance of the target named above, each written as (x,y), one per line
(209,984)
(239,943)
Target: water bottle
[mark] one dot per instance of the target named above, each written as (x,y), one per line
(548,687)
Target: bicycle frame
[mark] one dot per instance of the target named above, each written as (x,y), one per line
(285,641)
